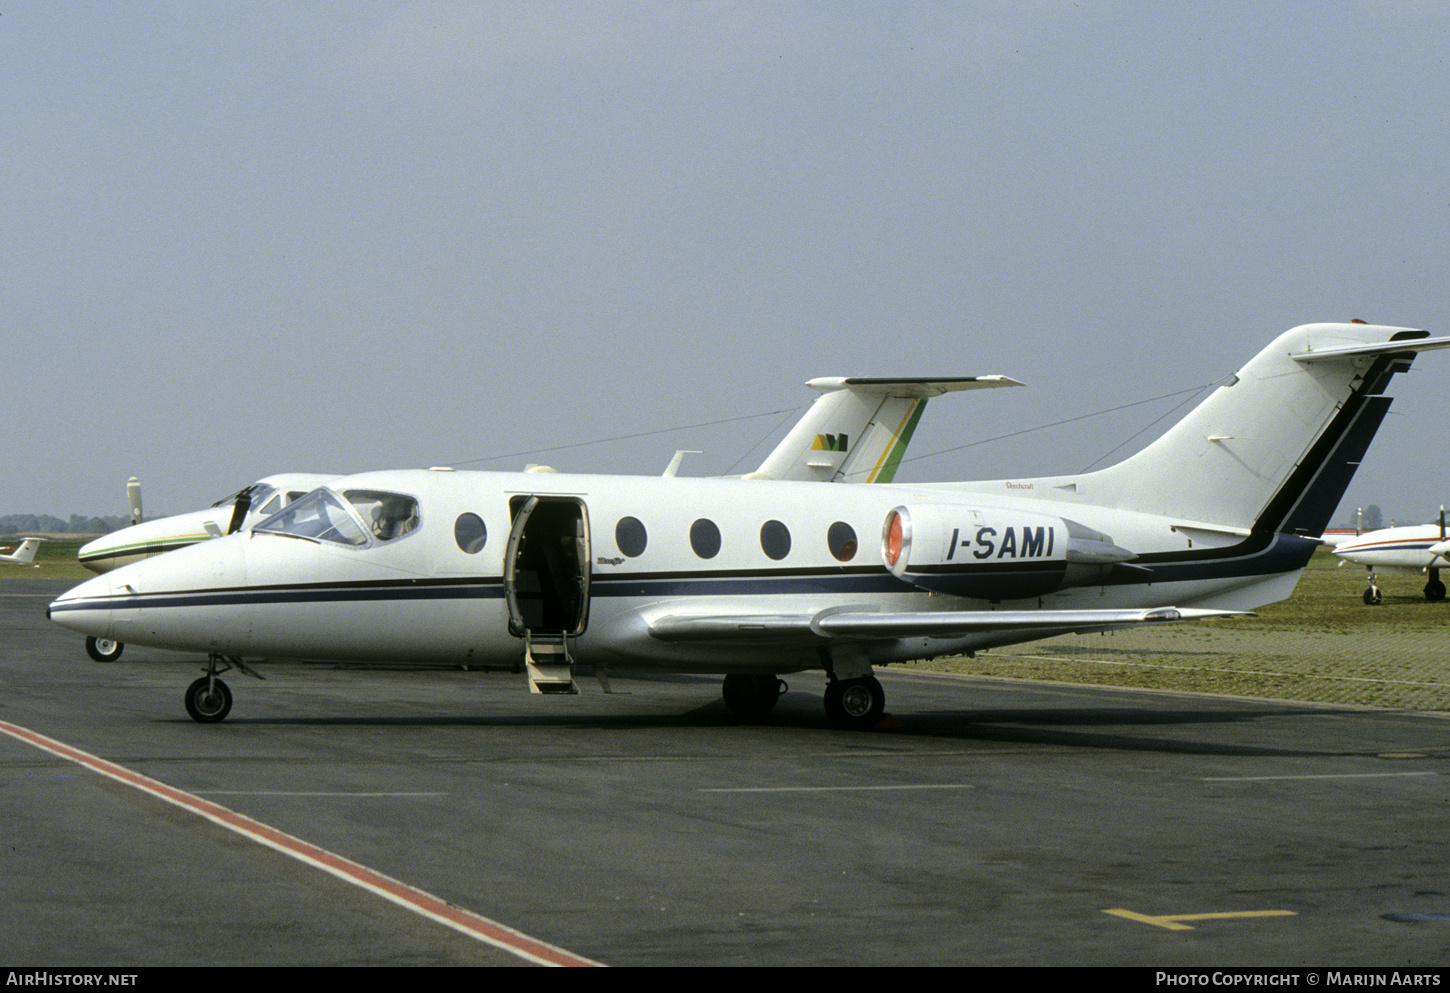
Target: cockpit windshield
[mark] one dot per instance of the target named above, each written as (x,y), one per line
(259,492)
(352,518)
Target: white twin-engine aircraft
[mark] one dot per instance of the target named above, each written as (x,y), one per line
(754,578)
(1418,548)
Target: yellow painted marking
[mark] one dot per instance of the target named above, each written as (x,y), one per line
(1174,922)
(886,453)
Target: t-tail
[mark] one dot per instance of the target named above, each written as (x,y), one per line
(1270,451)
(859,429)
(24,554)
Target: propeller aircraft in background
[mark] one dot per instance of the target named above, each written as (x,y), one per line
(1415,549)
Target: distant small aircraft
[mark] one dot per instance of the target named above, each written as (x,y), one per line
(752,578)
(1416,549)
(25,553)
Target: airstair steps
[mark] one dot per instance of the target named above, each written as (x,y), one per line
(549,665)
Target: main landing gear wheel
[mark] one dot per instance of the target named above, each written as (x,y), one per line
(750,698)
(855,704)
(103,649)
(208,700)
(1372,596)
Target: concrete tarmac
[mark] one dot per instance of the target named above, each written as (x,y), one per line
(998,823)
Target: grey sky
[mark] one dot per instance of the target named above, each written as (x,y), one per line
(244,239)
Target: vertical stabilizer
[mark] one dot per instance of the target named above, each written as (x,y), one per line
(24,554)
(859,428)
(1274,448)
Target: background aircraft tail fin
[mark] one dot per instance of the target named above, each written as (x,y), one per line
(25,553)
(859,428)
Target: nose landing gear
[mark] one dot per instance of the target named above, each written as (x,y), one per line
(209,700)
(103,649)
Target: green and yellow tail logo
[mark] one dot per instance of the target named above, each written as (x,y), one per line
(829,443)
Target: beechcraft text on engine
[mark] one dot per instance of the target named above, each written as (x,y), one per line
(754,578)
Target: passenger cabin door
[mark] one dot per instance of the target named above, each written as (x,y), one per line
(546,583)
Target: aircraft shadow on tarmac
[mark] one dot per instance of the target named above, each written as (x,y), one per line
(800,711)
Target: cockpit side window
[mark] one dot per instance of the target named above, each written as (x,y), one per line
(387,515)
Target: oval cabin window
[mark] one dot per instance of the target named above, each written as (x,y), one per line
(705,538)
(775,540)
(630,536)
(470,533)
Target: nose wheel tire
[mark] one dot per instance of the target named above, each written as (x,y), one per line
(103,649)
(855,704)
(208,700)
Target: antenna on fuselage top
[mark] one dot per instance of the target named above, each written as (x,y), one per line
(674,467)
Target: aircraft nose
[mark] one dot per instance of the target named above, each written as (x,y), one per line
(152,602)
(85,607)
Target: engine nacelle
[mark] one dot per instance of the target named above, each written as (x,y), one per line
(994,554)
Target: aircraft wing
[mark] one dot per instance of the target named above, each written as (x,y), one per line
(866,624)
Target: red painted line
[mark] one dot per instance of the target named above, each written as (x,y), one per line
(416,900)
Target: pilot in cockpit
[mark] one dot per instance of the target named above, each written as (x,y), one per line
(394,517)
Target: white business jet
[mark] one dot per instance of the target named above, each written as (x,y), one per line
(1417,549)
(755,578)
(25,554)
(880,414)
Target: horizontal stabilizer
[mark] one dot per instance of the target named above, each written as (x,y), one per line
(1397,346)
(920,388)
